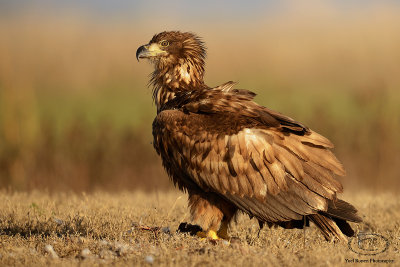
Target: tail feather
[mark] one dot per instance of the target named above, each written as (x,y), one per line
(342,210)
(328,227)
(344,226)
(333,222)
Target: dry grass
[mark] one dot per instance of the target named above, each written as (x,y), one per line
(103,228)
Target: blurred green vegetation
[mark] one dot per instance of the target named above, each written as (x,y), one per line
(75,112)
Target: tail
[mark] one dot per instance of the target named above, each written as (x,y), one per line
(333,222)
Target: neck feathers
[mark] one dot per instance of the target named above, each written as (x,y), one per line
(167,79)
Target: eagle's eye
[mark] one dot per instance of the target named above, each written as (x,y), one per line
(164,43)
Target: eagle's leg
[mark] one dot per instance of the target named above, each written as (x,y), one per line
(212,213)
(223,230)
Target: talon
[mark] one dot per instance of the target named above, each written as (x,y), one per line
(211,234)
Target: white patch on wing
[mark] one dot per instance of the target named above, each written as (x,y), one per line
(250,137)
(255,140)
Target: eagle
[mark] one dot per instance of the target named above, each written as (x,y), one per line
(233,155)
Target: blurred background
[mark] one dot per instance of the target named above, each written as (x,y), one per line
(76,112)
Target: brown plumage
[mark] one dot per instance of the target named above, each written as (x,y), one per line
(231,154)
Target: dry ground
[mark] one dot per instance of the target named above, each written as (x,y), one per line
(121,229)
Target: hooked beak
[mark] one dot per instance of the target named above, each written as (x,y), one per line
(149,51)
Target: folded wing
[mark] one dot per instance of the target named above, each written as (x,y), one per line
(264,162)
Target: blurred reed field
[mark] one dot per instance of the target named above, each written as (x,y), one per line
(75,112)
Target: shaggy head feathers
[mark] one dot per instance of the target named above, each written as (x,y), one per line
(179,46)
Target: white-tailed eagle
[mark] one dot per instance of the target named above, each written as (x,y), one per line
(231,154)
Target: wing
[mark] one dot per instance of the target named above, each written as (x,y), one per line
(267,164)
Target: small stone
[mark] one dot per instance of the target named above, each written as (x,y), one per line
(49,249)
(85,253)
(149,259)
(58,221)
(166,230)
(225,242)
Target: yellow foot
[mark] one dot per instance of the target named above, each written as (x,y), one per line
(211,234)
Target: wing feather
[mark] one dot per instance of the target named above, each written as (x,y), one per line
(310,198)
(325,159)
(316,139)
(317,187)
(322,176)
(291,162)
(223,175)
(276,169)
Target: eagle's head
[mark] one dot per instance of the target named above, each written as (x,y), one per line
(173,47)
